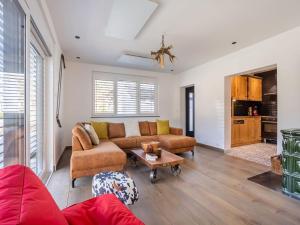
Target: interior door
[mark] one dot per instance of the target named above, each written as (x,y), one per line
(190,111)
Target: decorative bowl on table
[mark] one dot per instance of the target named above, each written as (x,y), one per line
(150,147)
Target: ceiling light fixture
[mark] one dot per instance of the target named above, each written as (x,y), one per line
(159,55)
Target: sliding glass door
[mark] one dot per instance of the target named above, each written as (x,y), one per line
(21,91)
(12,83)
(36,109)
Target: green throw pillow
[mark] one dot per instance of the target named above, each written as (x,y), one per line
(163,127)
(101,129)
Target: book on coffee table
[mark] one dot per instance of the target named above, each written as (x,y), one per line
(151,157)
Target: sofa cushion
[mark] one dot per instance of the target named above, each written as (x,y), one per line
(141,139)
(101,129)
(25,200)
(106,154)
(102,210)
(116,130)
(125,143)
(171,141)
(144,128)
(152,128)
(92,133)
(163,127)
(132,129)
(83,137)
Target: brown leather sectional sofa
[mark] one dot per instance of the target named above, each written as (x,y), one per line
(109,155)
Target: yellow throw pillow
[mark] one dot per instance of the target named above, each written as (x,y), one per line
(163,127)
(101,129)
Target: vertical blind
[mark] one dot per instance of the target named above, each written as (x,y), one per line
(12,82)
(124,96)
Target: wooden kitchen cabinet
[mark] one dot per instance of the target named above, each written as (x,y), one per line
(245,130)
(254,89)
(239,88)
(254,129)
(246,88)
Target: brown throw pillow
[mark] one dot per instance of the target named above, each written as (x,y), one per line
(116,130)
(144,128)
(153,128)
(83,137)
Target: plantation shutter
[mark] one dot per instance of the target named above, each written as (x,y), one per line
(119,95)
(126,97)
(104,97)
(147,98)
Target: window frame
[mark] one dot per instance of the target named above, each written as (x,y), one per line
(115,77)
(34,42)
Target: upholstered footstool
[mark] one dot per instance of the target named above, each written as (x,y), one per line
(119,184)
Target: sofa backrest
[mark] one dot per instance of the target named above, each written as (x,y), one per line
(82,136)
(116,130)
(25,200)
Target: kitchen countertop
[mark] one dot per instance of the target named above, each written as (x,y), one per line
(238,117)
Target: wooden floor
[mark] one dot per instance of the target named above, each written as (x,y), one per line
(212,189)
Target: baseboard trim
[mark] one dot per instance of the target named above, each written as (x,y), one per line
(210,147)
(56,164)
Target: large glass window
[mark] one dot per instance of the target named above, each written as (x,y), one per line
(12,82)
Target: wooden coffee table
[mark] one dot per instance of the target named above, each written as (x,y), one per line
(167,159)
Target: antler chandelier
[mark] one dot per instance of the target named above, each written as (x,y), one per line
(159,55)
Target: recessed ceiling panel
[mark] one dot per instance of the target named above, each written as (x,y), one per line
(128,17)
(136,60)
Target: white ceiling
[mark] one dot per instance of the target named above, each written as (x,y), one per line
(199,30)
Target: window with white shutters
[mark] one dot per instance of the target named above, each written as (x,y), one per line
(124,95)
(126,98)
(147,98)
(104,97)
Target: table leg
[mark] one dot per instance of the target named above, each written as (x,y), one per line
(176,170)
(134,159)
(153,175)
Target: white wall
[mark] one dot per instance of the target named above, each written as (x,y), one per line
(78,95)
(53,143)
(283,50)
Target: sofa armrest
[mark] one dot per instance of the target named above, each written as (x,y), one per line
(176,131)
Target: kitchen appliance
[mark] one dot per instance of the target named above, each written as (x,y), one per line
(269,129)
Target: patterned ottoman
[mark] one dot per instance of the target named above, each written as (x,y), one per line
(119,184)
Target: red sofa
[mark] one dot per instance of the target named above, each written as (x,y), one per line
(24,200)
